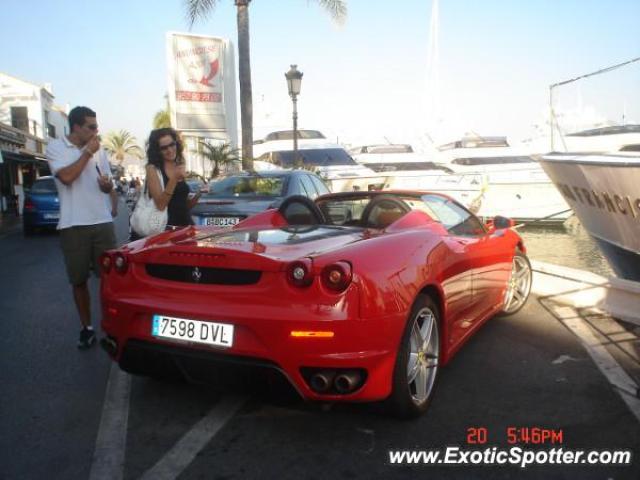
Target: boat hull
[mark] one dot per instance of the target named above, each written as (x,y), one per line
(603,192)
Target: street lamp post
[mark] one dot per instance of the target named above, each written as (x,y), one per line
(294,80)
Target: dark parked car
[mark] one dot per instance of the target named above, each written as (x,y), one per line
(236,197)
(41,205)
(196,185)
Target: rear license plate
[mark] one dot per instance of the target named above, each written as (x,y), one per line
(222,221)
(52,216)
(208,333)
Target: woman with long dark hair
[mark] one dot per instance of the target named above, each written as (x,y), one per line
(165,154)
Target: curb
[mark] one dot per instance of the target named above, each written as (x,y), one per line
(581,289)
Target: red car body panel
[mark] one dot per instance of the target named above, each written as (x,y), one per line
(391,267)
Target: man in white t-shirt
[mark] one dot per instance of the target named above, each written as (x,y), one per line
(81,171)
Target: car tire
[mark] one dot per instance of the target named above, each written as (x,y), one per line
(519,286)
(28,230)
(417,362)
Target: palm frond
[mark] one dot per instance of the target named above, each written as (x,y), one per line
(336,8)
(219,155)
(121,144)
(198,9)
(162,119)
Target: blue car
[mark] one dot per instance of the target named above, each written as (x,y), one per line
(41,206)
(234,198)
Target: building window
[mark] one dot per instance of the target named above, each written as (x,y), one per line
(20,118)
(51,131)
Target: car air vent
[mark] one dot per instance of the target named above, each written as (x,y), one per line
(197,256)
(203,275)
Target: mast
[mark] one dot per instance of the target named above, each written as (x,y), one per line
(432,82)
(571,80)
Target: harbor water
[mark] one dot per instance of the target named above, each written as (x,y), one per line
(569,245)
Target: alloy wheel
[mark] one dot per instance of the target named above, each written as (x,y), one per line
(424,352)
(519,285)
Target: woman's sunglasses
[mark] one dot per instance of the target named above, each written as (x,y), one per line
(167,146)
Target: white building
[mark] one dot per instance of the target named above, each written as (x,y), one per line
(28,119)
(30,108)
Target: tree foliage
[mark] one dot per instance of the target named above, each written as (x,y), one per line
(121,144)
(219,155)
(162,118)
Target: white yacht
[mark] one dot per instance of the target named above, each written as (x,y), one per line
(602,188)
(484,173)
(515,185)
(329,160)
(283,140)
(602,139)
(404,169)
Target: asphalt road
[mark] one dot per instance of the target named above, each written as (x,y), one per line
(526,370)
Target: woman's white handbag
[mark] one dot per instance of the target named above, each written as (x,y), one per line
(146,218)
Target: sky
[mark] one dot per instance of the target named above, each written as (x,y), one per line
(365,81)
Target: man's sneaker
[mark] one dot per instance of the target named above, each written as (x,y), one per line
(87,338)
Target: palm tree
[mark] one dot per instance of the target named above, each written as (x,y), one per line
(162,118)
(121,144)
(219,155)
(200,9)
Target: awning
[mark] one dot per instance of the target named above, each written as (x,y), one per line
(20,158)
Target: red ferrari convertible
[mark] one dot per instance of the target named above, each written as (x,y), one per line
(358,296)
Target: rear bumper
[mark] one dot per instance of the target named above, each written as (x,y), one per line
(199,366)
(262,341)
(38,218)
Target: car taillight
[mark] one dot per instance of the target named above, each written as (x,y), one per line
(337,276)
(299,273)
(105,262)
(120,262)
(29,205)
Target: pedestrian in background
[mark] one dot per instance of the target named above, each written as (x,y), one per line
(164,154)
(82,175)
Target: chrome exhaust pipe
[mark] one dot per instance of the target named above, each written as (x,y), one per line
(109,345)
(348,381)
(321,381)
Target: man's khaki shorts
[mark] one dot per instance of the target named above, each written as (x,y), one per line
(82,247)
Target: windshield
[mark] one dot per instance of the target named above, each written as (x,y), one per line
(320,157)
(388,149)
(405,166)
(195,185)
(348,211)
(46,185)
(241,186)
(492,160)
(288,135)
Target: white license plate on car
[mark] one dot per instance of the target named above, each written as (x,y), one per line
(208,333)
(222,221)
(52,216)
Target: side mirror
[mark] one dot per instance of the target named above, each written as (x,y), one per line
(502,222)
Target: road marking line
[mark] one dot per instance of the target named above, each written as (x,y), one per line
(109,453)
(186,449)
(625,386)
